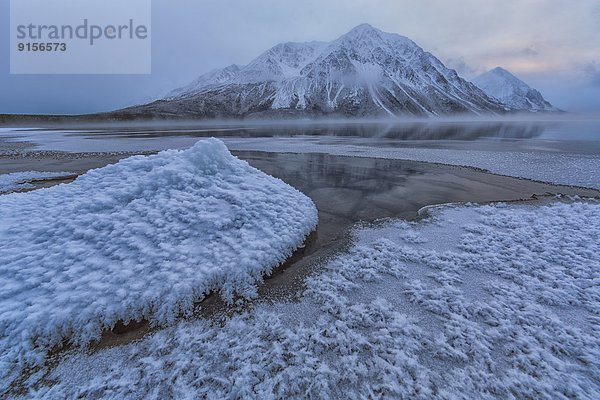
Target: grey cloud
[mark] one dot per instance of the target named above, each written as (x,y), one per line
(592,72)
(515,52)
(462,67)
(529,52)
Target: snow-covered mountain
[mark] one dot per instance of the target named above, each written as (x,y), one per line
(214,77)
(365,72)
(510,90)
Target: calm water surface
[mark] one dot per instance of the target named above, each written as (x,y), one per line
(568,136)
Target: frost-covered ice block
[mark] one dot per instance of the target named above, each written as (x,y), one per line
(144,238)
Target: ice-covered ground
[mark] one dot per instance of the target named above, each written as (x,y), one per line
(144,238)
(554,167)
(475,302)
(22,180)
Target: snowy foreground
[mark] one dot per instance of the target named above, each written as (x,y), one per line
(144,238)
(475,302)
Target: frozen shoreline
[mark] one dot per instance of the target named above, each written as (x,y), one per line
(20,181)
(423,313)
(434,309)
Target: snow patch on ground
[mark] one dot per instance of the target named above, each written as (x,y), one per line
(144,238)
(22,180)
(506,306)
(557,168)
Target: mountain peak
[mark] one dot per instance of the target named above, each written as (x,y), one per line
(369,37)
(366,32)
(364,28)
(510,90)
(505,74)
(500,70)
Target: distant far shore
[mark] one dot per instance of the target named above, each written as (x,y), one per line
(110,118)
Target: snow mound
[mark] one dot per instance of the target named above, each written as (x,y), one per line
(485,302)
(144,238)
(22,180)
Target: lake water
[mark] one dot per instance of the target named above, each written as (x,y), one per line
(564,152)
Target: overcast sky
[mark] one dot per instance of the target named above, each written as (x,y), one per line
(554,45)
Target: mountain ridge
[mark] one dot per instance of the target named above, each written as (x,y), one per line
(363,73)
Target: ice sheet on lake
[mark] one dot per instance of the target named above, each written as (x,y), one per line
(77,141)
(486,302)
(558,168)
(144,238)
(22,180)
